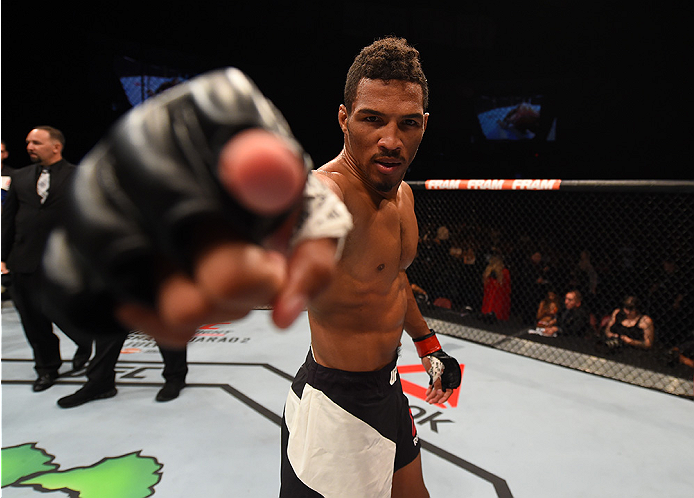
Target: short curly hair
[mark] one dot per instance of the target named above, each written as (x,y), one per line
(389,58)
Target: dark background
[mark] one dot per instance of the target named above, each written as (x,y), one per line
(613,75)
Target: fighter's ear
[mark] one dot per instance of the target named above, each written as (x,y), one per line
(342,117)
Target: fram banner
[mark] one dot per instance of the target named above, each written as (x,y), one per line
(517,184)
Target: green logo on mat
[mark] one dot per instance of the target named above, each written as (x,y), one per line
(131,475)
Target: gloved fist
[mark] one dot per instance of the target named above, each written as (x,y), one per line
(444,367)
(184,214)
(443,370)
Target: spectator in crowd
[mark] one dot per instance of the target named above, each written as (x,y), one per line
(493,242)
(573,320)
(668,303)
(35,201)
(630,326)
(589,276)
(420,294)
(463,277)
(685,352)
(626,265)
(548,310)
(434,254)
(496,299)
(443,237)
(534,279)
(584,277)
(469,276)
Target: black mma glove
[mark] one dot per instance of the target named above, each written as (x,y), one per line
(443,366)
(137,196)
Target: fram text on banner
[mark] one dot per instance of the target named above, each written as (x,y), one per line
(518,184)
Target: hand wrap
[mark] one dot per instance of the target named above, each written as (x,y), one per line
(138,195)
(443,366)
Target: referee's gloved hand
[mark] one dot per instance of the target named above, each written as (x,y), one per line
(443,370)
(184,214)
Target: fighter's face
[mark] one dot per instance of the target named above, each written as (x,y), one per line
(383,131)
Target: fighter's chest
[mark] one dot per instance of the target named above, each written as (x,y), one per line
(384,234)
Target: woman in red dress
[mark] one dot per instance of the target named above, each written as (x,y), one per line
(497,289)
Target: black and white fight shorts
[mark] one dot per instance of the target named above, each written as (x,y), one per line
(344,434)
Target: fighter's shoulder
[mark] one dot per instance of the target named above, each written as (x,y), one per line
(332,179)
(406,190)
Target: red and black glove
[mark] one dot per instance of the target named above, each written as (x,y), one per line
(443,366)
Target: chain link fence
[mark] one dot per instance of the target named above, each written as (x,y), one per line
(504,263)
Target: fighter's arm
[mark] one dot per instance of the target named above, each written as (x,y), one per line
(415,325)
(186,214)
(315,246)
(443,370)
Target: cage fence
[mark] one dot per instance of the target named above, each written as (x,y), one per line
(503,263)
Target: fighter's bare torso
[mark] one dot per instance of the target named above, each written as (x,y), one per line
(358,322)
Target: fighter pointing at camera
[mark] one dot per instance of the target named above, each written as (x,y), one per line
(198,208)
